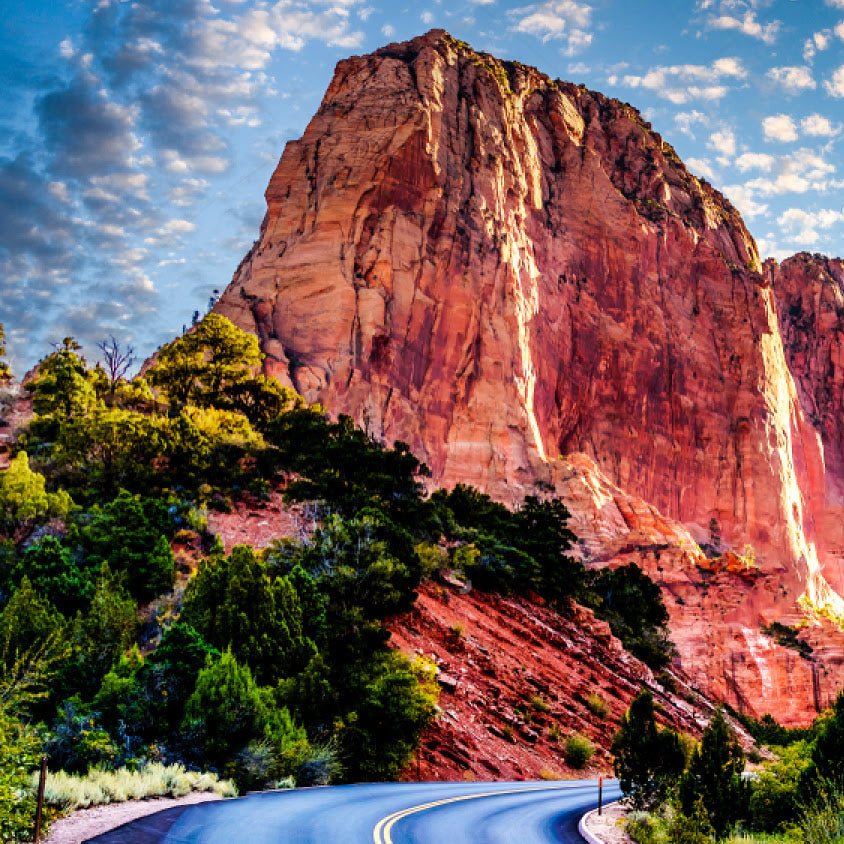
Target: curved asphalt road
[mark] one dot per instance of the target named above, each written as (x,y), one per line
(383,813)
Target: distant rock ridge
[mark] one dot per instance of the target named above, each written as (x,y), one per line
(503,270)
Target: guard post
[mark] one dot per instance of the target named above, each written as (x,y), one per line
(42,781)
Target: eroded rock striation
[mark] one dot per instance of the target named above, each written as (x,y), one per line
(501,270)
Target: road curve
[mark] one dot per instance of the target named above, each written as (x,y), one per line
(385,813)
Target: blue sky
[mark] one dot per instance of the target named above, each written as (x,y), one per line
(136,138)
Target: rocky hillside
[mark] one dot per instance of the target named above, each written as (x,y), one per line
(505,270)
(517,679)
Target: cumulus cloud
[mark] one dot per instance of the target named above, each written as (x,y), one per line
(747,24)
(742,197)
(681,83)
(819,126)
(818,42)
(793,80)
(799,172)
(835,85)
(802,226)
(723,142)
(779,127)
(754,161)
(701,167)
(564,20)
(684,120)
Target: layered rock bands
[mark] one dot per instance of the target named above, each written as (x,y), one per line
(519,278)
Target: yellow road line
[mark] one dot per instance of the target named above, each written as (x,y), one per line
(381,833)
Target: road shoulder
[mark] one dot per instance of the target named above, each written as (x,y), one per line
(606,828)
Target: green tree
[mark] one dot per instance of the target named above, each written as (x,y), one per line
(544,535)
(98,637)
(5,372)
(378,738)
(202,365)
(775,797)
(23,496)
(231,711)
(648,761)
(168,677)
(130,534)
(632,604)
(233,603)
(56,574)
(714,777)
(62,387)
(367,568)
(828,750)
(27,622)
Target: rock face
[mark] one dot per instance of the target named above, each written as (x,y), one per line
(500,270)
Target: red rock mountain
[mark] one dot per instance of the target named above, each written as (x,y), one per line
(519,278)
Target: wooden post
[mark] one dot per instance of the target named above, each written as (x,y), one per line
(600,794)
(42,781)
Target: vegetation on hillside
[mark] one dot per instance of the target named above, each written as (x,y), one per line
(265,667)
(703,797)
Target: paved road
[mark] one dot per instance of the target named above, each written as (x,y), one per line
(384,813)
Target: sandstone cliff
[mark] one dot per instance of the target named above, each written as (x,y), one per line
(502,269)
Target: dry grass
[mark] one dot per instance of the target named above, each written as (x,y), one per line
(69,792)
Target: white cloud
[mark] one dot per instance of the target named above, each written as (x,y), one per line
(680,83)
(793,80)
(839,30)
(388,30)
(755,161)
(749,25)
(802,226)
(744,200)
(723,142)
(799,172)
(779,127)
(835,86)
(836,4)
(819,41)
(59,191)
(795,218)
(565,20)
(684,120)
(700,166)
(819,126)
(427,18)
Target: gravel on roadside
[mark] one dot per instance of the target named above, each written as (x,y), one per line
(86,823)
(609,825)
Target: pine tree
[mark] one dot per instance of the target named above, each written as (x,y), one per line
(647,760)
(714,776)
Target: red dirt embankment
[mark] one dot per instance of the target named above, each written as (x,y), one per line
(516,680)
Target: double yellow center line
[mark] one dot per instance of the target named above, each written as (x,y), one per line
(381,833)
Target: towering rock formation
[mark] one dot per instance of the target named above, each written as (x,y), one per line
(501,269)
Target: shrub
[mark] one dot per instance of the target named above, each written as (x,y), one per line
(642,827)
(539,704)
(597,705)
(693,828)
(579,750)
(822,819)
